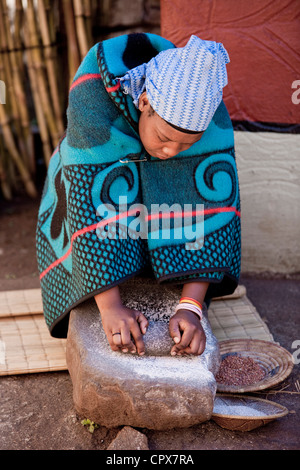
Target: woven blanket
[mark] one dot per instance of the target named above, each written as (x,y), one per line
(100,220)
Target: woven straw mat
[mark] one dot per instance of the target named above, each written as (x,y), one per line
(26,345)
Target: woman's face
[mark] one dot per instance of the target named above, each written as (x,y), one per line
(160,139)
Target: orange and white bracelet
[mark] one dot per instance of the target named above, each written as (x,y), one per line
(192,301)
(193,305)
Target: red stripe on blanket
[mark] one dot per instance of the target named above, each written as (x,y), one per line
(215,210)
(90,228)
(93,76)
(84,78)
(84,230)
(113,88)
(54,152)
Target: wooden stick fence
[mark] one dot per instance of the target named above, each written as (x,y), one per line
(37,80)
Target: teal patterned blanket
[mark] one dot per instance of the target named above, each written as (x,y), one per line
(101,221)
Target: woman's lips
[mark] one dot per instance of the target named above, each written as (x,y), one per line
(157,155)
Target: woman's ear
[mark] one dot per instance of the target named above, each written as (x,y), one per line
(143,101)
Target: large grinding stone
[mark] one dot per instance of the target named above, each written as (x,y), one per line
(154,391)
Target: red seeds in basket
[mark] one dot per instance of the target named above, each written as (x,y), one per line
(238,370)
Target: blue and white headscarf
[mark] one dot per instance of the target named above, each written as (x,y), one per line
(184,85)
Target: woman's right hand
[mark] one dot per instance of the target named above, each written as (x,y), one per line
(124,328)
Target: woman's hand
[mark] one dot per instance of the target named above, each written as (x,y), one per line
(187,332)
(124,328)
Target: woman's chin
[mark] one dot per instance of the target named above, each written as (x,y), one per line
(156,154)
(161,157)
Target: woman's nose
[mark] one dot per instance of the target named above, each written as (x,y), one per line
(171,149)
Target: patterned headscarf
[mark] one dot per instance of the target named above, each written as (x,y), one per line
(184,85)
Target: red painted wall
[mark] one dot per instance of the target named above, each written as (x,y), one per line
(262,38)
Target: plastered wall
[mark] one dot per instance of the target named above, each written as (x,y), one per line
(269,174)
(263,42)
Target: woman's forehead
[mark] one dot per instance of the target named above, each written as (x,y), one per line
(170,133)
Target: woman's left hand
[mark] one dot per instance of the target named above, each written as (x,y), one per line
(187,333)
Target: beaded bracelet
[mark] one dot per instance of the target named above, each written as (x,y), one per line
(191,307)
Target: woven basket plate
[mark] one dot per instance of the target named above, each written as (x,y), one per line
(244,413)
(276,362)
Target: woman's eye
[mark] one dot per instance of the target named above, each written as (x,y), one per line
(163,139)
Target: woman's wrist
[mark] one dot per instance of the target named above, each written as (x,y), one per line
(189,313)
(191,307)
(192,298)
(195,290)
(109,300)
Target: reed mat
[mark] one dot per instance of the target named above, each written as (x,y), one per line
(27,347)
